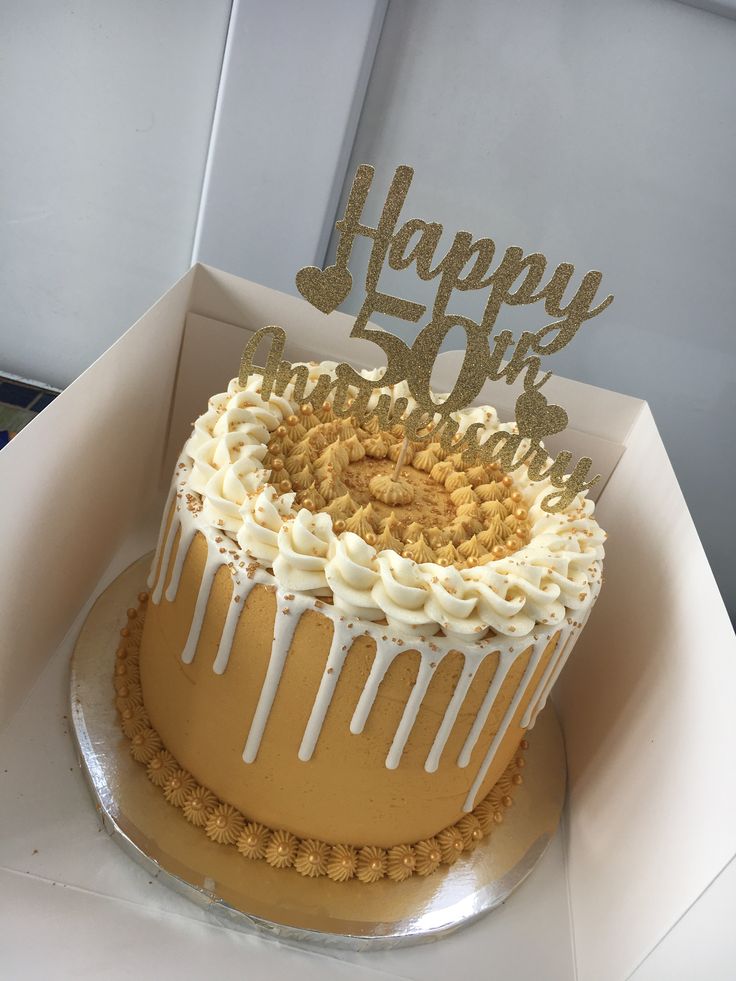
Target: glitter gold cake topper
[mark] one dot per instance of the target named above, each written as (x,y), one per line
(518,279)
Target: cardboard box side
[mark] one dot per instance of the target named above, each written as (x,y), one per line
(221,296)
(647,708)
(73,481)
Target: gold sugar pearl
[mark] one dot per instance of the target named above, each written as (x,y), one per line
(498,817)
(123,691)
(281,431)
(292,421)
(196,804)
(124,632)
(220,821)
(313,858)
(251,840)
(121,653)
(127,714)
(516,497)
(506,801)
(517,779)
(132,613)
(476,834)
(155,763)
(408,861)
(521,514)
(120,669)
(137,740)
(284,849)
(142,597)
(434,855)
(507,481)
(458,845)
(471,563)
(339,526)
(512,544)
(326,406)
(308,503)
(498,552)
(376,864)
(306,410)
(285,486)
(277,464)
(524,744)
(370,538)
(520,762)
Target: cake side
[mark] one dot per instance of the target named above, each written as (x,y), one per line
(308,856)
(349,789)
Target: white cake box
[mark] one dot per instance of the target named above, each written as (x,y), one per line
(645,701)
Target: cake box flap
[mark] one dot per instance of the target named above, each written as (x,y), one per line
(73,481)
(647,708)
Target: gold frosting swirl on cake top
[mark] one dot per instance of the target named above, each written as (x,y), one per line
(434,502)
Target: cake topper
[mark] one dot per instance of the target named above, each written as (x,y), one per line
(518,279)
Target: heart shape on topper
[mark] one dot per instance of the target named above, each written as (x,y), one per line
(326,288)
(536,418)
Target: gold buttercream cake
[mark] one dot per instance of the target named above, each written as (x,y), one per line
(347,636)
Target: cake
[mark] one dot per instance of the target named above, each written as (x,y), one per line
(347,636)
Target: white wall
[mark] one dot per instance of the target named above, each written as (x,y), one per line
(105,114)
(293,82)
(602,133)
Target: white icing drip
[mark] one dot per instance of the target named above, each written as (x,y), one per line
(411,710)
(160,540)
(451,713)
(542,694)
(241,591)
(186,537)
(505,722)
(385,654)
(505,660)
(563,645)
(208,577)
(287,620)
(173,528)
(339,648)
